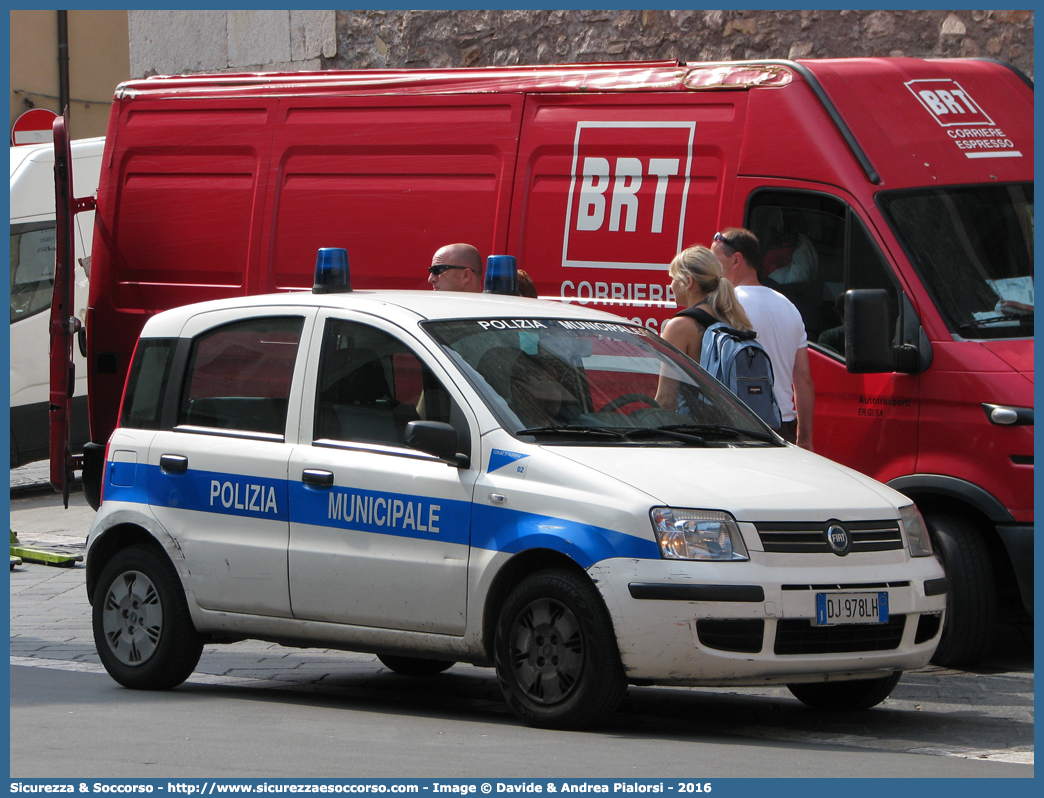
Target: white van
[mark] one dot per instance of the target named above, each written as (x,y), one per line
(32,280)
(437,477)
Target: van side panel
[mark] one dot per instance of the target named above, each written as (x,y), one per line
(610,187)
(421,172)
(223,197)
(33,231)
(179,195)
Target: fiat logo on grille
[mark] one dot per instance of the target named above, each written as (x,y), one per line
(838,538)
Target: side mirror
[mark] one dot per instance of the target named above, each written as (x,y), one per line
(868,333)
(437,439)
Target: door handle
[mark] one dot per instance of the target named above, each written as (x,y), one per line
(315,476)
(174,463)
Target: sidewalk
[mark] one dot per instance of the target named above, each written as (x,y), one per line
(33,477)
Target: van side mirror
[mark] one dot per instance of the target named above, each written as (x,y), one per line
(868,333)
(437,439)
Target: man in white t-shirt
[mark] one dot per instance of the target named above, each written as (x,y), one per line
(780,329)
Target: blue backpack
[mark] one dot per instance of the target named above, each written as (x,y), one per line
(740,363)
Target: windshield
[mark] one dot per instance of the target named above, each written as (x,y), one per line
(594,382)
(973,247)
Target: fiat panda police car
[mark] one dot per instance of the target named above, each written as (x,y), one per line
(437,477)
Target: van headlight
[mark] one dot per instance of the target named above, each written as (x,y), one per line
(697,534)
(916,532)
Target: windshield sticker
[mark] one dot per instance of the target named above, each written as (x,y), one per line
(970,127)
(500,458)
(599,326)
(511,324)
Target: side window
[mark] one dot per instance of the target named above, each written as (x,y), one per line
(32,268)
(239,376)
(371,386)
(814,248)
(147,383)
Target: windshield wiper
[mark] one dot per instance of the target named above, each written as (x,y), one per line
(572,429)
(1020,318)
(667,432)
(720,431)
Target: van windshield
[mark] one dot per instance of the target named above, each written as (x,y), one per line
(576,382)
(973,247)
(32,268)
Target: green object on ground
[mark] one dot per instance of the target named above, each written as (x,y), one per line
(59,559)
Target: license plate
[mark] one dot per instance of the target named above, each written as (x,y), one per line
(833,609)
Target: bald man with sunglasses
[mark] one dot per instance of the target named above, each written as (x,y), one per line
(456,267)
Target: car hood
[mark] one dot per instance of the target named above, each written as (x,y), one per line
(751,483)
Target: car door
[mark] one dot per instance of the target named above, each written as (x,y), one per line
(379,533)
(217,478)
(865,421)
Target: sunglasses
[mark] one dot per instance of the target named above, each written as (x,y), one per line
(438,268)
(723,240)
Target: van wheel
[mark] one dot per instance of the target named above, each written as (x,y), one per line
(845,696)
(555,652)
(142,629)
(415,666)
(971,600)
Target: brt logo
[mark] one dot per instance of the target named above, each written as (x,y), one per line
(627,194)
(948,102)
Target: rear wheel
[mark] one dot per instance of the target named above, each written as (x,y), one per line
(846,696)
(142,629)
(971,600)
(415,666)
(555,652)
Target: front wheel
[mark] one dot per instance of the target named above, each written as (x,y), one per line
(846,696)
(555,652)
(142,629)
(415,666)
(971,598)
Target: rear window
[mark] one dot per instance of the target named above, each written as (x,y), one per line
(239,376)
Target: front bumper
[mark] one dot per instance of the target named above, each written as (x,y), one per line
(751,623)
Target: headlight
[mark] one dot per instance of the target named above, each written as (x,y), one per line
(916,532)
(697,534)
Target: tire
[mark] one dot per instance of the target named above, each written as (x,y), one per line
(415,666)
(845,696)
(971,601)
(142,629)
(555,652)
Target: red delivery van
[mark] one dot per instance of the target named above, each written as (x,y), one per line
(893,199)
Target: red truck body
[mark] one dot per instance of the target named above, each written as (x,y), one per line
(901,175)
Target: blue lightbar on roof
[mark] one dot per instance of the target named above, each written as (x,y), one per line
(501,275)
(331,271)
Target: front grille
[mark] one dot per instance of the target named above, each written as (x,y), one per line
(744,635)
(809,537)
(799,636)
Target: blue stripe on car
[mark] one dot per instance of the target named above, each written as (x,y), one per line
(379,512)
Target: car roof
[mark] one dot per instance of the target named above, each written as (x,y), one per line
(401,307)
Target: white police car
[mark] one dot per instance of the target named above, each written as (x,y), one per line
(439,477)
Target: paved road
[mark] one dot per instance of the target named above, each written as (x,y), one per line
(337,713)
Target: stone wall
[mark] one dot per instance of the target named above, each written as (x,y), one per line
(171,42)
(485,38)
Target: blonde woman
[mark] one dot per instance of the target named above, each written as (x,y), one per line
(697,282)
